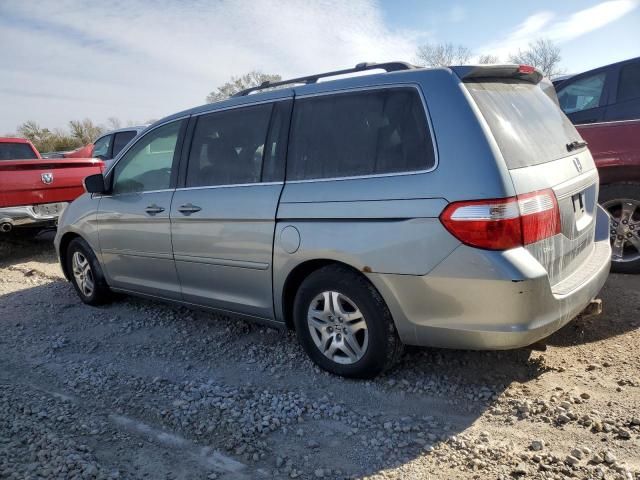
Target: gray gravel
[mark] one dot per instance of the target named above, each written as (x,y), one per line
(137,389)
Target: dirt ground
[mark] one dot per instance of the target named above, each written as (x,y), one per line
(138,389)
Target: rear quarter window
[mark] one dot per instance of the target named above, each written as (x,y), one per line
(359,133)
(526,123)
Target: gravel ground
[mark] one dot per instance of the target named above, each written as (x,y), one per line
(137,389)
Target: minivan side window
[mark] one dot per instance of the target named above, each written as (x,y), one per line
(359,133)
(147,165)
(582,94)
(228,146)
(629,82)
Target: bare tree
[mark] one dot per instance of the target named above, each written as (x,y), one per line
(113,123)
(85,130)
(488,58)
(542,54)
(442,54)
(236,84)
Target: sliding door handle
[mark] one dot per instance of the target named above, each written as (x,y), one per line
(188,209)
(153,209)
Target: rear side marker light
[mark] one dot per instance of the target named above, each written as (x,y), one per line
(501,224)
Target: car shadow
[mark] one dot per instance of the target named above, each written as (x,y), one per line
(22,245)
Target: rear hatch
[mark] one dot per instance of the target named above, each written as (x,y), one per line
(40,181)
(542,150)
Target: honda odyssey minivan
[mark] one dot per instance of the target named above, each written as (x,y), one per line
(448,207)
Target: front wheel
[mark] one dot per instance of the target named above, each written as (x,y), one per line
(86,273)
(344,325)
(622,201)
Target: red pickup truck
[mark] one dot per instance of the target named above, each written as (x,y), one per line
(35,190)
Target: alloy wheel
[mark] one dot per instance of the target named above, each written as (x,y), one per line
(83,274)
(338,328)
(625,229)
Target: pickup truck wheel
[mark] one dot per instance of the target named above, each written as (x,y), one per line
(86,274)
(622,201)
(344,325)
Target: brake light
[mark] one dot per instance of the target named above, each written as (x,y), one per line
(501,224)
(526,69)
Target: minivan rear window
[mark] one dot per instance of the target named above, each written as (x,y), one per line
(359,133)
(527,124)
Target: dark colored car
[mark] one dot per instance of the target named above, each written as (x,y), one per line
(604,104)
(605,94)
(107,146)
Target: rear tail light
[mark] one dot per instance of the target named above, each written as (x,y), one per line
(506,223)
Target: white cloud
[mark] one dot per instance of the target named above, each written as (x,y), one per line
(136,60)
(546,24)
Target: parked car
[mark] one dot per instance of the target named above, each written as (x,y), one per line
(605,105)
(34,190)
(451,207)
(107,146)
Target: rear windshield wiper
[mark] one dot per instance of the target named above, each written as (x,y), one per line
(575,145)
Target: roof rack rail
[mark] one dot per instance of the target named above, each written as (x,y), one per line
(361,67)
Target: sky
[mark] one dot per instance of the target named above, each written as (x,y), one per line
(137,60)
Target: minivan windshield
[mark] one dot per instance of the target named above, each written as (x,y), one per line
(527,124)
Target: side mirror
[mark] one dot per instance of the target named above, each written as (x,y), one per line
(94,184)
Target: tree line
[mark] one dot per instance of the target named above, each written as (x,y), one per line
(542,53)
(77,134)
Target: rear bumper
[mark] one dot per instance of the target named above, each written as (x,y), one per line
(31,215)
(478,299)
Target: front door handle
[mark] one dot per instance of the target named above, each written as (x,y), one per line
(153,209)
(188,209)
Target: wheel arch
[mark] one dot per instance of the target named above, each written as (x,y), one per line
(65,240)
(296,276)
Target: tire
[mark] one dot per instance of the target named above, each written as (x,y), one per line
(376,348)
(83,264)
(614,198)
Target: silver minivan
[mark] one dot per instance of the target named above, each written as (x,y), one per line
(448,207)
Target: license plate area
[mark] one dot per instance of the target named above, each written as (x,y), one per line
(582,219)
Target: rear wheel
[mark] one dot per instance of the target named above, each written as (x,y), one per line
(86,274)
(344,325)
(622,201)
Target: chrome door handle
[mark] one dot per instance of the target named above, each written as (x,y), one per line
(188,209)
(153,209)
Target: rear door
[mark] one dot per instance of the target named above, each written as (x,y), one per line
(223,218)
(133,221)
(536,142)
(625,104)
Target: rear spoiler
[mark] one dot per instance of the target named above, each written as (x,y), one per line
(519,72)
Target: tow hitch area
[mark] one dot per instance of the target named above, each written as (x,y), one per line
(594,308)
